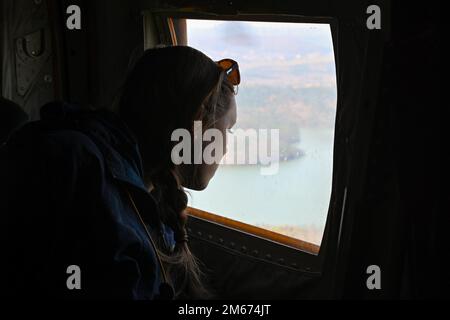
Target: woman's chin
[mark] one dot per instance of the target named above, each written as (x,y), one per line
(198,186)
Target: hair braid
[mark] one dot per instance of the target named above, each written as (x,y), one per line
(182,266)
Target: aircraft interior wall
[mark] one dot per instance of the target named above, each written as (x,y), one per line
(384,202)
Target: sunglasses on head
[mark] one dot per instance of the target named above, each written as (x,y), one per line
(231,69)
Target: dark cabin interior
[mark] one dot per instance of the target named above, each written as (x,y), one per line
(385,201)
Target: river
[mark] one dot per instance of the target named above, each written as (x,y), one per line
(294,202)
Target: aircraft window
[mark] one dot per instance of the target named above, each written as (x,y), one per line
(288,84)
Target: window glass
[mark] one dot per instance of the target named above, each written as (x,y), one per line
(288,86)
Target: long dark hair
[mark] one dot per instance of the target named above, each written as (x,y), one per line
(170,88)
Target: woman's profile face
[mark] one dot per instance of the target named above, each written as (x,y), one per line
(197,176)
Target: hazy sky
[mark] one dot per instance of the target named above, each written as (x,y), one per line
(269,53)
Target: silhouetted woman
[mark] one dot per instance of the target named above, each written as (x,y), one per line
(95,205)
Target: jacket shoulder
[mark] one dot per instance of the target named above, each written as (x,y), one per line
(48,143)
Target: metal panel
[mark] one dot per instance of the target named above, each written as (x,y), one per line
(27,66)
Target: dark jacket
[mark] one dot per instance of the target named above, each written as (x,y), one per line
(64,202)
